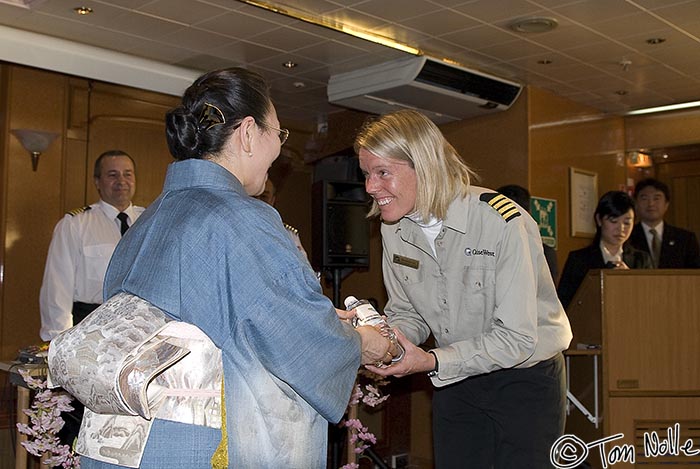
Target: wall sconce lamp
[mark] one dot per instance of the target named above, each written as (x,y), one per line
(35,142)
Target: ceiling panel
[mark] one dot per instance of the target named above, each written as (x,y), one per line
(599,47)
(187,13)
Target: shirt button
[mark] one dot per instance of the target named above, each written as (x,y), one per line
(405,278)
(447,331)
(444,301)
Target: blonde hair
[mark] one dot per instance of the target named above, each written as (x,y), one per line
(410,136)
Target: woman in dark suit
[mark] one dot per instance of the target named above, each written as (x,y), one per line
(614,218)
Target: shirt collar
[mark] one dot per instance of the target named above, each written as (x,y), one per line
(611,256)
(659,229)
(458,213)
(456,219)
(200,173)
(112,211)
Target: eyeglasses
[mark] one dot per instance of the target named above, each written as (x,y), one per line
(283,133)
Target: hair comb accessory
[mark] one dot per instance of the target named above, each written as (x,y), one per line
(211,117)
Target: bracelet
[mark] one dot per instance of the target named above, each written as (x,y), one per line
(400,356)
(434,372)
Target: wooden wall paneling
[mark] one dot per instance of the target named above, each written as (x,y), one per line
(4,156)
(683,179)
(495,146)
(564,134)
(74,168)
(652,333)
(36,100)
(688,209)
(75,174)
(663,129)
(78,107)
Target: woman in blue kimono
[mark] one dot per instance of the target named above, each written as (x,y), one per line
(207,253)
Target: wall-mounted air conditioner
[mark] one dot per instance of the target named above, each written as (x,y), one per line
(443,92)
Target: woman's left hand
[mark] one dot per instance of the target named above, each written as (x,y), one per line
(415,360)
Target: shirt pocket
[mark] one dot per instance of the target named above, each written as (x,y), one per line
(409,277)
(97,258)
(479,290)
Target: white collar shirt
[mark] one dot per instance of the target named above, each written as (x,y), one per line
(81,247)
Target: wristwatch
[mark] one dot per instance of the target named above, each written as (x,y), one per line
(435,370)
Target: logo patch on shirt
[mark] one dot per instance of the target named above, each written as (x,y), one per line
(502,204)
(479,252)
(407,261)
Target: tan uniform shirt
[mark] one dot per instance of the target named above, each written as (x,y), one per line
(486,295)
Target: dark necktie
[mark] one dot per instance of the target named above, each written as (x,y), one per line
(655,247)
(124,225)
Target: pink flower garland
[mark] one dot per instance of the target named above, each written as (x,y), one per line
(46,421)
(360,436)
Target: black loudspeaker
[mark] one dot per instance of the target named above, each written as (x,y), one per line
(340,227)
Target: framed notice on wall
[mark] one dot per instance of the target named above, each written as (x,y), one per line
(583,195)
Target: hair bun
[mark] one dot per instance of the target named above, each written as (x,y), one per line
(182,133)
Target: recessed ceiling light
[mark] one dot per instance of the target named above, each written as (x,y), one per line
(82,10)
(289,64)
(655,40)
(537,24)
(544,62)
(621,92)
(299,84)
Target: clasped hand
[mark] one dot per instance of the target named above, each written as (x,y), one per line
(378,347)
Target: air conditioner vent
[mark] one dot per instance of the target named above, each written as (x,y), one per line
(468,83)
(443,92)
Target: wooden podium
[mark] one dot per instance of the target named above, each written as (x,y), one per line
(642,327)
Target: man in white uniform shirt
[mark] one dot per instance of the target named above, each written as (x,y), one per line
(83,243)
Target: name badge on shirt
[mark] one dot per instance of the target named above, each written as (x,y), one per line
(407,261)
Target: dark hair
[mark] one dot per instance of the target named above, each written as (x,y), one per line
(97,170)
(231,94)
(517,194)
(611,205)
(656,184)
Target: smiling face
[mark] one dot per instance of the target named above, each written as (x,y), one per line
(614,231)
(391,183)
(116,183)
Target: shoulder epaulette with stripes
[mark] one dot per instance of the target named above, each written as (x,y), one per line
(502,204)
(76,211)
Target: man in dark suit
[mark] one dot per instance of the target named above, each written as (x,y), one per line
(670,247)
